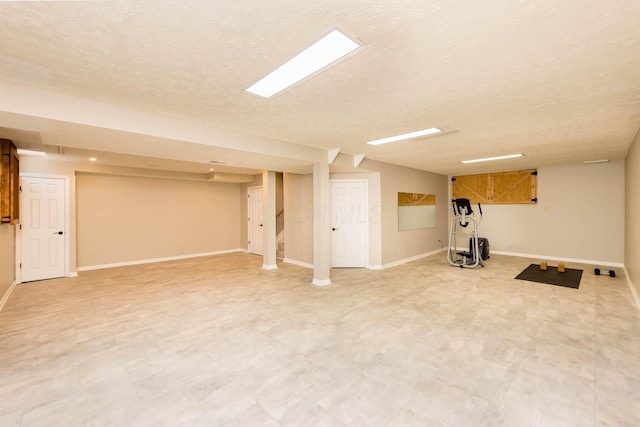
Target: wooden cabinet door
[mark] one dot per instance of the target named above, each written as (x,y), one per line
(497,188)
(9,183)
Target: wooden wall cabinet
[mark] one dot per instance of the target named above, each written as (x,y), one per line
(498,188)
(9,182)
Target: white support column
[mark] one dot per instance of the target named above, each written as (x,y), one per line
(321,225)
(269,220)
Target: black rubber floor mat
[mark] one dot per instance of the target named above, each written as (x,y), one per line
(569,279)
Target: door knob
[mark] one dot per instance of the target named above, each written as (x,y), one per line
(58,232)
(333,229)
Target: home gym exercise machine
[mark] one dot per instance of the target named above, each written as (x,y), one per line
(478,251)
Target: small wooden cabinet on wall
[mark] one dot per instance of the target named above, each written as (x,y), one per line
(497,188)
(9,182)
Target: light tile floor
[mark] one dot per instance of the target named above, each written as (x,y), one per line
(218,341)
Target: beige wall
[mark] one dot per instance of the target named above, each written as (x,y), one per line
(387,244)
(48,166)
(632,212)
(125,219)
(7,258)
(400,245)
(579,215)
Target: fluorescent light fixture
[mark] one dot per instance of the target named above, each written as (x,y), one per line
(23,152)
(488,159)
(319,55)
(588,162)
(410,135)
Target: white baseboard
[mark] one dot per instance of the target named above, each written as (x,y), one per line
(298,263)
(150,261)
(370,267)
(636,297)
(73,274)
(324,282)
(553,258)
(269,267)
(405,260)
(7,294)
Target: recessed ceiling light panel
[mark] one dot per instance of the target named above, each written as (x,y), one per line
(316,57)
(410,135)
(488,159)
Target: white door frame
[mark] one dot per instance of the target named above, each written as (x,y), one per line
(67,225)
(366,211)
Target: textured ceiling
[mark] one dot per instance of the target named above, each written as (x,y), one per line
(556,80)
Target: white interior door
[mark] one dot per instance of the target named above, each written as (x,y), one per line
(350,223)
(42,219)
(254,220)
